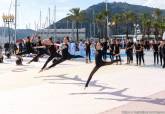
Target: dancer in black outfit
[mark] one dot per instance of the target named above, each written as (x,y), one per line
(99,62)
(41,50)
(142,52)
(53,54)
(29,48)
(88,51)
(129,52)
(1,55)
(111,49)
(160,52)
(105,47)
(117,51)
(65,54)
(163,53)
(138,55)
(156,53)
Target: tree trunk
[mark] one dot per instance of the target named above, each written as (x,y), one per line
(77,32)
(127,32)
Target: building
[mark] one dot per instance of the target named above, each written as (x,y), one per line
(59,34)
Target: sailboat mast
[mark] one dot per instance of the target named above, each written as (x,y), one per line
(15,34)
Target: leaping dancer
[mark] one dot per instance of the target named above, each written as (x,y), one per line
(99,62)
(53,54)
(41,50)
(65,54)
(29,49)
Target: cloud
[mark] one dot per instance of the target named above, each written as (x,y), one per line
(156,3)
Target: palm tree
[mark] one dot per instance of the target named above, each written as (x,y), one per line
(146,23)
(77,16)
(148,27)
(101,22)
(117,20)
(128,17)
(162,25)
(156,22)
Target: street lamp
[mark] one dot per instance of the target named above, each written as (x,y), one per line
(136,26)
(8,19)
(110,24)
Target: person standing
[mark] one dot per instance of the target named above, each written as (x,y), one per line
(88,51)
(105,47)
(1,55)
(117,51)
(29,48)
(138,56)
(111,48)
(160,52)
(155,48)
(129,51)
(142,52)
(163,52)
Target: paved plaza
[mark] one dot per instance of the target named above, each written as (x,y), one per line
(113,89)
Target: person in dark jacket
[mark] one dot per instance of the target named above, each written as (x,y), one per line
(105,47)
(88,51)
(160,52)
(117,51)
(163,52)
(129,52)
(111,49)
(138,55)
(155,47)
(1,55)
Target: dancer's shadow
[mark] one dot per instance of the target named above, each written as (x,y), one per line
(19,70)
(123,97)
(153,66)
(76,81)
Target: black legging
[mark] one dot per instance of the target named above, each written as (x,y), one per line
(156,57)
(161,58)
(50,58)
(118,57)
(58,61)
(138,58)
(163,62)
(96,68)
(41,53)
(88,55)
(104,54)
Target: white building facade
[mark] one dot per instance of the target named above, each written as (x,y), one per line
(61,33)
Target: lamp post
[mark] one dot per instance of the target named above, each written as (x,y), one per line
(110,24)
(8,19)
(136,26)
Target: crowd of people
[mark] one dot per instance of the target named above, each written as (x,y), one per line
(113,48)
(110,48)
(61,51)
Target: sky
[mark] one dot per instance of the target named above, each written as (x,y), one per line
(29,10)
